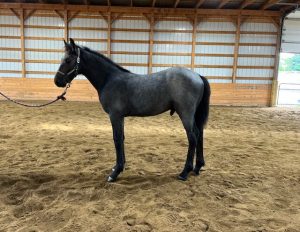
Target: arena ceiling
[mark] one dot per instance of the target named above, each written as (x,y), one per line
(269,5)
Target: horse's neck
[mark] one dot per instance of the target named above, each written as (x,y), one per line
(98,71)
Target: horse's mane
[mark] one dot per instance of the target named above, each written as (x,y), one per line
(106,59)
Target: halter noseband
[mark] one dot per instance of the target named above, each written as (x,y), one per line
(75,69)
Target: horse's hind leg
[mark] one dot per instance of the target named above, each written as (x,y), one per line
(199,151)
(189,123)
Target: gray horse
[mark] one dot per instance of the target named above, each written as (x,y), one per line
(123,94)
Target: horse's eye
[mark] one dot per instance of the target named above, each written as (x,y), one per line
(68,60)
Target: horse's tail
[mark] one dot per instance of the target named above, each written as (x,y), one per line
(202,111)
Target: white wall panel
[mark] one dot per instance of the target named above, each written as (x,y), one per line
(98,46)
(261,50)
(126,35)
(139,59)
(163,36)
(10,31)
(11,75)
(173,25)
(265,27)
(246,38)
(138,70)
(134,24)
(15,66)
(257,82)
(130,47)
(40,32)
(6,19)
(90,34)
(216,26)
(225,72)
(223,81)
(85,22)
(254,61)
(44,21)
(39,76)
(10,43)
(44,55)
(42,67)
(10,54)
(171,59)
(44,44)
(214,49)
(227,38)
(255,73)
(172,48)
(207,60)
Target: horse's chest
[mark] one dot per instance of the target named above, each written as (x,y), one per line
(112,103)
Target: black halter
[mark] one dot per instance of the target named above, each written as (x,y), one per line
(75,69)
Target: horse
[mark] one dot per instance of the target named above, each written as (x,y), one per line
(123,93)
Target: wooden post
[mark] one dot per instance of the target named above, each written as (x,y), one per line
(274,90)
(151,37)
(236,49)
(195,22)
(109,23)
(66,23)
(22,44)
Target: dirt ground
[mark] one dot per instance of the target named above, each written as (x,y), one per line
(54,163)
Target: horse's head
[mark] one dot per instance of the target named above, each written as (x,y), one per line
(69,67)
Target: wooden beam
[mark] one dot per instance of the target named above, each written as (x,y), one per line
(15,13)
(199,3)
(22,44)
(28,14)
(151,37)
(131,3)
(66,25)
(236,49)
(86,2)
(176,3)
(268,4)
(246,3)
(194,35)
(59,14)
(222,3)
(274,91)
(108,3)
(73,16)
(138,10)
(109,23)
(153,3)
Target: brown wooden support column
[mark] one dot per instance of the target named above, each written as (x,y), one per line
(236,49)
(151,37)
(66,26)
(109,23)
(195,23)
(22,43)
(274,91)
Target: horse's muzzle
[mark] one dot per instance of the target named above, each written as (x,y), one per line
(60,82)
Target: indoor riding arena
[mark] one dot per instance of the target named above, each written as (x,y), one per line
(56,160)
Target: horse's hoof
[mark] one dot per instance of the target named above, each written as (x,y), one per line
(110,179)
(182,178)
(196,172)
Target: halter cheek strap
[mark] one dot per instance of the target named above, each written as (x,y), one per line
(75,69)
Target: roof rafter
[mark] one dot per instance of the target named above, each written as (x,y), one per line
(222,3)
(246,3)
(153,3)
(268,4)
(199,3)
(176,3)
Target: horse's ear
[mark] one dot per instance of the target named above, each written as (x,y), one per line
(72,44)
(66,44)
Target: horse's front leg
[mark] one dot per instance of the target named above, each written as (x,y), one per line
(117,123)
